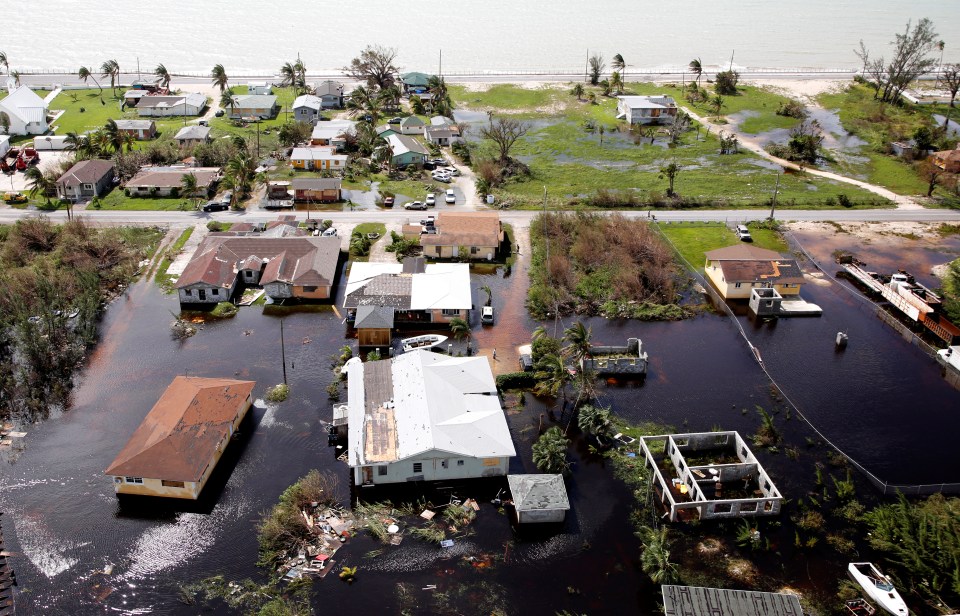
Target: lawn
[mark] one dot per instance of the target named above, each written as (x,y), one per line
(85,110)
(117,200)
(267,128)
(760,103)
(694,240)
(161,277)
(364,228)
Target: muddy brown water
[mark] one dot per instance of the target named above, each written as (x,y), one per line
(881,400)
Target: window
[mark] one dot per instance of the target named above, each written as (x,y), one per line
(215,291)
(445,463)
(418,467)
(133,480)
(474,250)
(248,274)
(737,285)
(88,186)
(171,484)
(187,292)
(309,289)
(382,471)
(459,462)
(450,312)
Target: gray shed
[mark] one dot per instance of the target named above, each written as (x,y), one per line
(539,498)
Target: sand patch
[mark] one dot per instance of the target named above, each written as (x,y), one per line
(803,89)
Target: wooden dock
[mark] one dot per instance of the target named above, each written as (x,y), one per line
(7,581)
(697,601)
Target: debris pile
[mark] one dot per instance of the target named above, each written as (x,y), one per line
(330,528)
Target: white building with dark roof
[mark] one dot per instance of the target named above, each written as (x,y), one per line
(423,416)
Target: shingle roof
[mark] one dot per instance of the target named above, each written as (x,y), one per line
(374,317)
(194,99)
(86,172)
(402,144)
(648,102)
(742,251)
(411,121)
(308,100)
(179,435)
(255,101)
(135,124)
(416,79)
(194,131)
(465,229)
(316,183)
(436,403)
(329,88)
(748,263)
(295,260)
(538,492)
(440,286)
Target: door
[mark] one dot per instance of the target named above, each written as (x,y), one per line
(367,474)
(203,294)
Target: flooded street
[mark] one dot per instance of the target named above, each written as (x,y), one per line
(882,401)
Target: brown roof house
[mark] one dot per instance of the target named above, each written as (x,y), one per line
(286,267)
(736,270)
(168,181)
(174,451)
(473,235)
(86,179)
(948,160)
(316,190)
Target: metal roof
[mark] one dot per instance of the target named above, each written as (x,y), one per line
(308,100)
(401,144)
(440,286)
(429,402)
(648,102)
(134,124)
(699,601)
(255,101)
(374,317)
(193,132)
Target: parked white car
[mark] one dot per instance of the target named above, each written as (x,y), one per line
(450,196)
(431,199)
(451,170)
(441,176)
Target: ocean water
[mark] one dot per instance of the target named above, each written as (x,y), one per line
(255,37)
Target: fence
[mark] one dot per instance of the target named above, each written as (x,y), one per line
(880,484)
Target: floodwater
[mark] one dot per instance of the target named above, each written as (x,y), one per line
(881,400)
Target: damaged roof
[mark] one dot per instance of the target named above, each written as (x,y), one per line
(180,434)
(746,263)
(465,229)
(423,401)
(538,492)
(439,286)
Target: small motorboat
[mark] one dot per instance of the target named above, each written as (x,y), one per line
(860,607)
(878,587)
(422,342)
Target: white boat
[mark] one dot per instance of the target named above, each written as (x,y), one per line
(422,342)
(878,587)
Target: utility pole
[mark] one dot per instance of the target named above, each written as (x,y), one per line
(440,68)
(586,69)
(731,58)
(283,354)
(773,203)
(546,237)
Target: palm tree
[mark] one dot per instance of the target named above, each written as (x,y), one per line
(240,175)
(696,67)
(16,77)
(655,559)
(38,183)
(4,62)
(227,101)
(219,76)
(363,102)
(940,46)
(618,63)
(389,97)
(717,103)
(163,76)
(594,420)
(111,69)
(459,328)
(4,122)
(616,82)
(486,289)
(78,144)
(550,452)
(670,172)
(114,136)
(188,185)
(85,73)
(577,91)
(552,377)
(577,337)
(288,74)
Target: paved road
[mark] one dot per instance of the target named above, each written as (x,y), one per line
(9,215)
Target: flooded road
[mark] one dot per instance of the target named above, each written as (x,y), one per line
(882,401)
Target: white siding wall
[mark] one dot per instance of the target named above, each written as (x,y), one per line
(433,469)
(278,290)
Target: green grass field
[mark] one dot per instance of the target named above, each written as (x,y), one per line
(760,101)
(117,200)
(696,239)
(97,109)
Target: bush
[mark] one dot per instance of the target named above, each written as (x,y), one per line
(224,309)
(214,226)
(725,82)
(792,109)
(516,380)
(278,393)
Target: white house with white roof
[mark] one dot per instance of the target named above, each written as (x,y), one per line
(646,109)
(423,416)
(27,112)
(332,133)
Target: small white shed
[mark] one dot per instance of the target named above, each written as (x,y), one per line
(4,145)
(539,498)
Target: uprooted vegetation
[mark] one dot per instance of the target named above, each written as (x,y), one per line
(54,284)
(601,265)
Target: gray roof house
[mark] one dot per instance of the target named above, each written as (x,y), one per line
(442,135)
(86,179)
(646,109)
(538,498)
(423,416)
(191,104)
(263,106)
(330,93)
(140,129)
(406,150)
(193,135)
(307,108)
